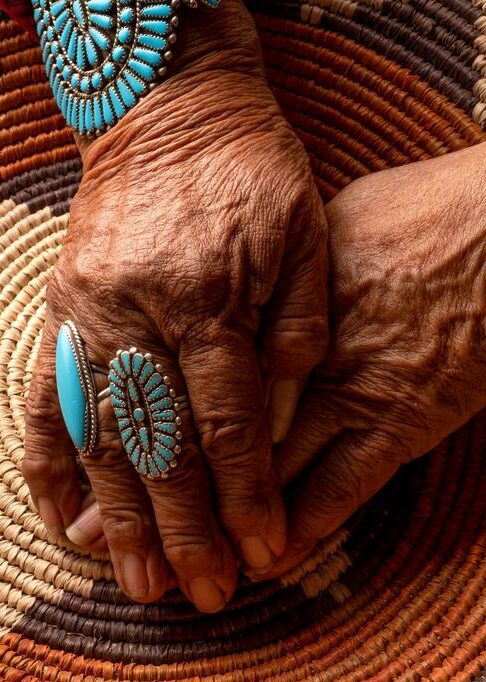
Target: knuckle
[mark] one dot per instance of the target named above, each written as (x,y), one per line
(230,439)
(126,528)
(189,554)
(36,467)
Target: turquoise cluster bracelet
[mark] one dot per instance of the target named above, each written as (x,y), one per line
(102,56)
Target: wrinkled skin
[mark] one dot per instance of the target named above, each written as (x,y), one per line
(196,214)
(407,359)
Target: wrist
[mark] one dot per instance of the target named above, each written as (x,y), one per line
(216,74)
(101,62)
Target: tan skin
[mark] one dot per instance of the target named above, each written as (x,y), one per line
(406,359)
(196,226)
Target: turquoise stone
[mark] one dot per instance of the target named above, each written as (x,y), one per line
(135,456)
(57,7)
(91,53)
(105,106)
(137,86)
(159,27)
(117,391)
(130,445)
(82,105)
(160,462)
(99,38)
(137,362)
(166,454)
(149,56)
(81,57)
(96,80)
(147,372)
(152,467)
(168,415)
(108,70)
(124,35)
(102,20)
(79,13)
(116,365)
(162,405)
(125,361)
(116,102)
(165,440)
(155,12)
(88,117)
(66,33)
(70,390)
(123,424)
(99,123)
(72,46)
(118,53)
(116,402)
(129,99)
(113,377)
(120,412)
(142,465)
(60,20)
(150,40)
(138,414)
(132,390)
(100,5)
(126,434)
(144,438)
(154,381)
(127,15)
(159,392)
(84,84)
(167,427)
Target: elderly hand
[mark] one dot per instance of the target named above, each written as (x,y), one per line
(196,213)
(407,360)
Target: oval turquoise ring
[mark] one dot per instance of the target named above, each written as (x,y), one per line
(146,411)
(76,388)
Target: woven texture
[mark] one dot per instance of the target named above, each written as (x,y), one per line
(400,592)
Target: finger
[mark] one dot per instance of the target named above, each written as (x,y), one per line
(193,542)
(227,399)
(49,465)
(354,468)
(296,326)
(317,424)
(126,514)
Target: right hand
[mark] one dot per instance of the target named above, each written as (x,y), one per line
(196,212)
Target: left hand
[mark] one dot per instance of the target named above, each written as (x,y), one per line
(407,362)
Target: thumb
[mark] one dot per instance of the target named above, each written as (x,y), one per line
(354,468)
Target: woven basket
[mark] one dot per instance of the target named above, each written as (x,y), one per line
(400,592)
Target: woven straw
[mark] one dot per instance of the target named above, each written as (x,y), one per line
(400,592)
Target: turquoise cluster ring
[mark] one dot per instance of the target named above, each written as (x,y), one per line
(144,404)
(103,56)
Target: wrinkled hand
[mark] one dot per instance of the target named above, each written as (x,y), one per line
(407,360)
(195,213)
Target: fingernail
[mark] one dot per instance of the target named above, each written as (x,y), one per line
(257,554)
(134,575)
(86,528)
(206,595)
(283,401)
(50,515)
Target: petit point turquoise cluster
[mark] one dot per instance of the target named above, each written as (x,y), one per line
(102,56)
(144,407)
